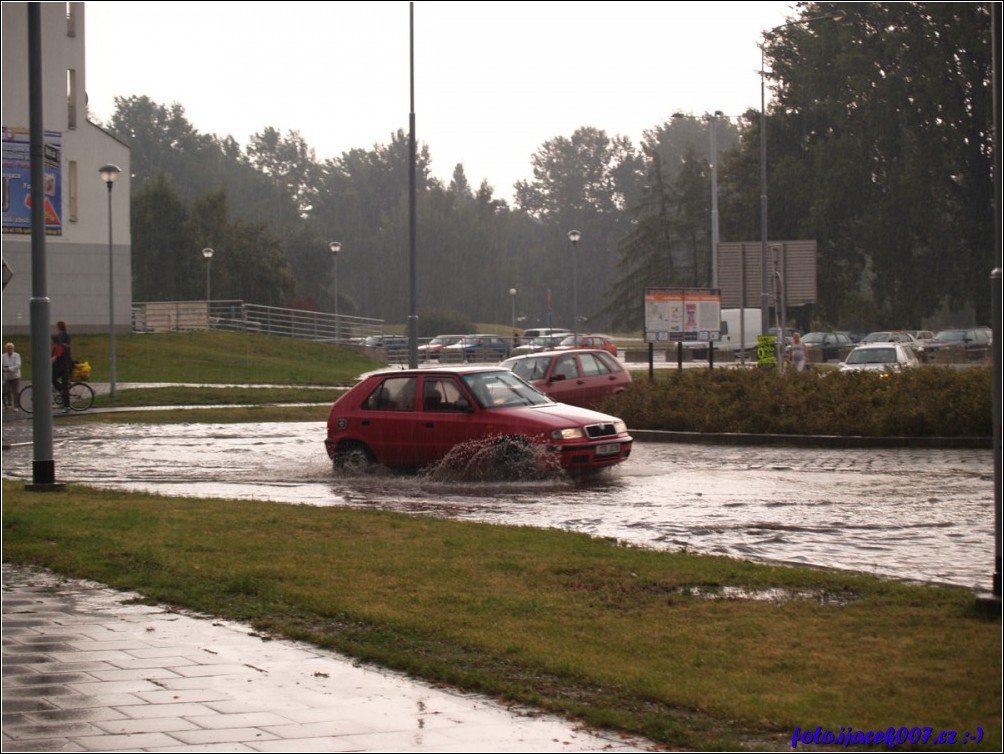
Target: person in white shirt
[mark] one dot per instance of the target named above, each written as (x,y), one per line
(11,376)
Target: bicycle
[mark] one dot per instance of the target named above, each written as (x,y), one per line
(81,397)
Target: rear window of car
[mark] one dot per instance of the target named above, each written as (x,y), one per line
(597,363)
(532,369)
(392,394)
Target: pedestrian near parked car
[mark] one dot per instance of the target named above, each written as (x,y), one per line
(797,353)
(62,363)
(11,376)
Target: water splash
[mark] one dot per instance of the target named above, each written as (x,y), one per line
(496,458)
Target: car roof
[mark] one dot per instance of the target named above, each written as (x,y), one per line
(457,370)
(564,352)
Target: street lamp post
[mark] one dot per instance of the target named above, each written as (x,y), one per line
(207,254)
(335,247)
(836,15)
(713,157)
(512,297)
(108,174)
(574,236)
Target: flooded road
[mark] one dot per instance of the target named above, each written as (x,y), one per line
(917,514)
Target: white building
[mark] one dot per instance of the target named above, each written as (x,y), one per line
(77,229)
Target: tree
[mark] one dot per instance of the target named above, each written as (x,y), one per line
(249,264)
(584,182)
(882,135)
(165,258)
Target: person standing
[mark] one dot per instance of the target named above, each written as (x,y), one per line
(11,376)
(798,354)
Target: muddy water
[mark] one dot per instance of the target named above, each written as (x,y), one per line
(915,514)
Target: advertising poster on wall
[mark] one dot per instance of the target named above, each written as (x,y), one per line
(17,182)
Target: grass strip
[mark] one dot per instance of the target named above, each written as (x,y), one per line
(647,642)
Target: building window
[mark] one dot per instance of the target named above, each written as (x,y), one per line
(71,20)
(73,190)
(71,98)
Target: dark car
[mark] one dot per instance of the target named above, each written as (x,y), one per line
(580,377)
(476,347)
(959,344)
(396,346)
(413,418)
(828,346)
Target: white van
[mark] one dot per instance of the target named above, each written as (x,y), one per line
(740,330)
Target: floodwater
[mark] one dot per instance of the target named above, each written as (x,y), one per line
(917,514)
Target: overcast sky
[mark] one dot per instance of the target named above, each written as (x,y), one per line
(492,80)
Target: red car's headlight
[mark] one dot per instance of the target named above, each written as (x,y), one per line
(569,433)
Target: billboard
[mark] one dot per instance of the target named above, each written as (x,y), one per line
(682,315)
(17,181)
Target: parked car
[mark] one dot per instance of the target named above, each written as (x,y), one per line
(532,333)
(433,349)
(959,344)
(395,345)
(880,357)
(579,377)
(891,336)
(414,417)
(788,333)
(828,346)
(477,347)
(540,343)
(602,342)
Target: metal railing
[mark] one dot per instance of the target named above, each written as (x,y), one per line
(168,316)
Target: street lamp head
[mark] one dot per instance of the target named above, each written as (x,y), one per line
(208,253)
(574,236)
(334,247)
(109,173)
(512,291)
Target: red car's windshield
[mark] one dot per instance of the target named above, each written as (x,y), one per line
(503,388)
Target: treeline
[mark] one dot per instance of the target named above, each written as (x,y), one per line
(880,143)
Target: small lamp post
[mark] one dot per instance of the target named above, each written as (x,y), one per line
(512,297)
(574,236)
(335,247)
(207,254)
(108,174)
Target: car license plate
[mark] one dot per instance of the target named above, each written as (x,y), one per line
(610,449)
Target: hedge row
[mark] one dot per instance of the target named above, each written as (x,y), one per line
(926,402)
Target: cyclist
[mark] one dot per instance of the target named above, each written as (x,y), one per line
(62,363)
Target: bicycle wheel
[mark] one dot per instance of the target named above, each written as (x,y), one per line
(24,399)
(81,396)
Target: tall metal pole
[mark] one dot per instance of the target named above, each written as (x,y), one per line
(714,198)
(108,174)
(412,217)
(43,467)
(836,15)
(764,318)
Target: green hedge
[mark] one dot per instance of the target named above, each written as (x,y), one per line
(926,402)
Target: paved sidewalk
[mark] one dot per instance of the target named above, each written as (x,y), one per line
(84,669)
